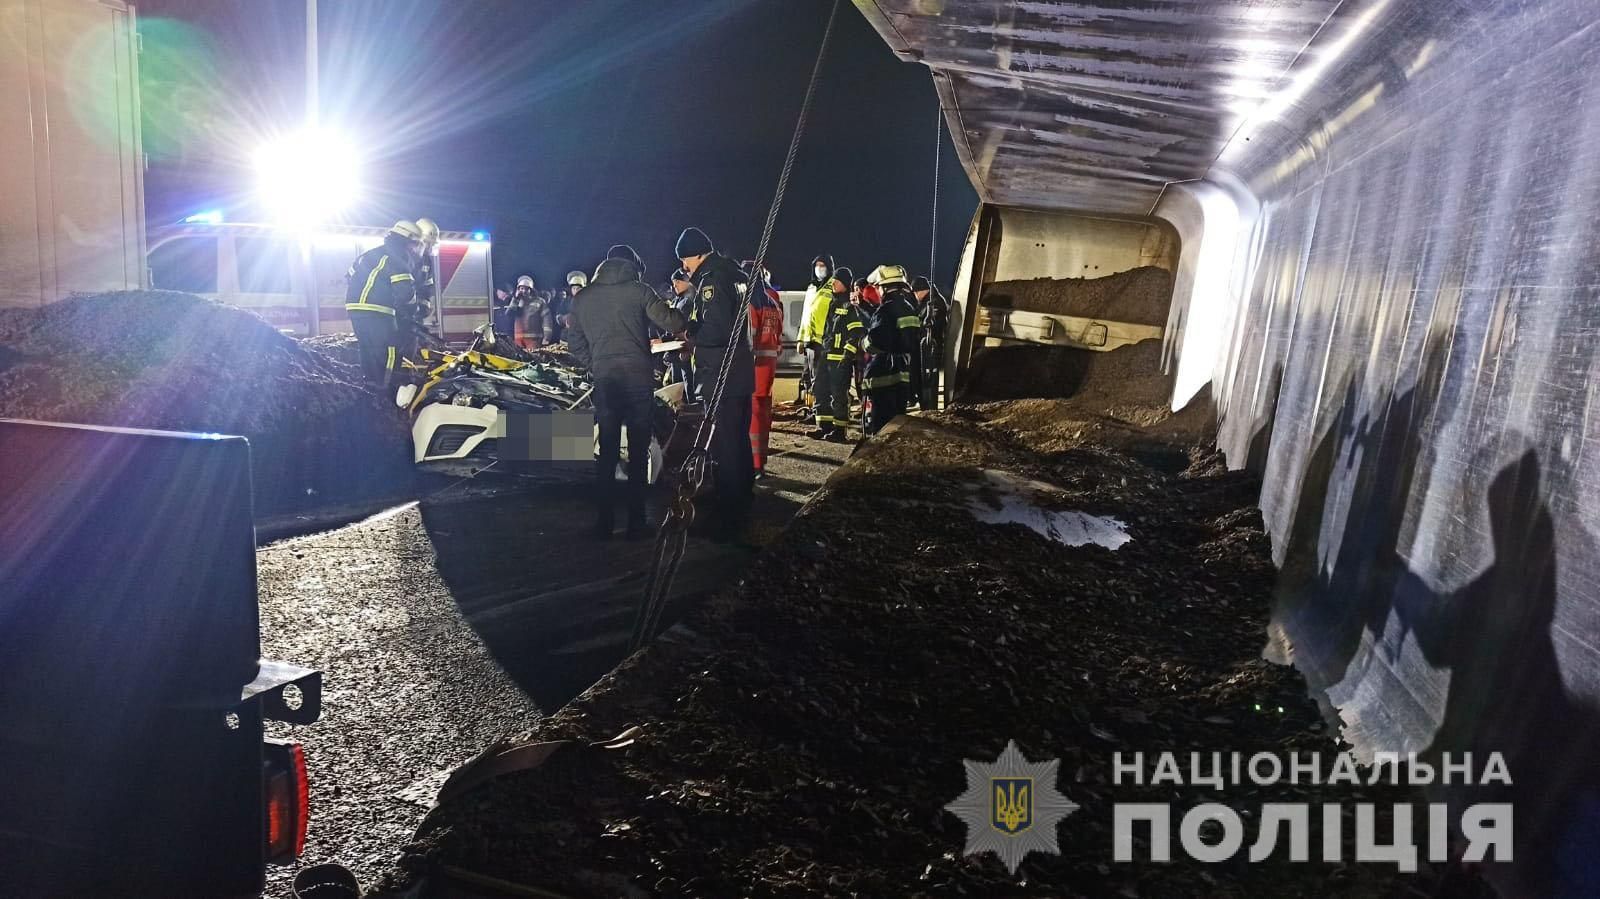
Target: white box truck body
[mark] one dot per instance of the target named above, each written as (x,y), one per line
(72,186)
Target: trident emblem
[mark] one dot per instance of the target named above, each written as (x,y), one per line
(1013,804)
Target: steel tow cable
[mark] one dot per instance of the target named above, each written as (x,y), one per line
(672,538)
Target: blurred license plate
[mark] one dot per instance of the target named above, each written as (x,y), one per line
(547,436)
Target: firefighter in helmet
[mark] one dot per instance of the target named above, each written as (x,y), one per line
(894,332)
(381,287)
(427,291)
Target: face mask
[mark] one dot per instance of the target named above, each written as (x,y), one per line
(821,272)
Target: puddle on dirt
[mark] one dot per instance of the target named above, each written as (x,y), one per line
(1002,498)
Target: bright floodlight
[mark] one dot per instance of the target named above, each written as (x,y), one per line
(308,177)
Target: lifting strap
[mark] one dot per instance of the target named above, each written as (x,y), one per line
(938,147)
(672,538)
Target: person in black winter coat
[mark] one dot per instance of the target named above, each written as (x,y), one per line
(610,335)
(718,333)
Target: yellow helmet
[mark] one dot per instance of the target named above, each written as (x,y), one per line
(408,230)
(430,232)
(888,275)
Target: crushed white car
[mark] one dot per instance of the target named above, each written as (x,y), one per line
(461,412)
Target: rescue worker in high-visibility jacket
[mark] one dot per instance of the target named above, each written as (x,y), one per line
(811,321)
(841,339)
(381,287)
(766,339)
(893,329)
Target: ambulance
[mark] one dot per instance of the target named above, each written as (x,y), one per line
(295,278)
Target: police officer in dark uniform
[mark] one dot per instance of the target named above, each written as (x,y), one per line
(380,288)
(610,335)
(716,306)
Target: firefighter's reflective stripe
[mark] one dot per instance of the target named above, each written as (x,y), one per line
(905,377)
(909,321)
(835,357)
(361,304)
(854,325)
(889,380)
(396,279)
(390,363)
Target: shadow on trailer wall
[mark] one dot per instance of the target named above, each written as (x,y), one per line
(133,700)
(1397,292)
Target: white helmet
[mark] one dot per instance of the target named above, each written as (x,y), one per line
(576,278)
(525,281)
(407,229)
(888,275)
(430,232)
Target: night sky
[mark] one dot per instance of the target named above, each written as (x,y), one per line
(565,127)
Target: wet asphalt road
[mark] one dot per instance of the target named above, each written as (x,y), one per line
(444,624)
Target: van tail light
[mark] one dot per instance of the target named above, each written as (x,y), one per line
(287,795)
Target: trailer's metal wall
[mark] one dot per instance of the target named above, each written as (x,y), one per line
(71,187)
(1388,211)
(1416,333)
(1065,245)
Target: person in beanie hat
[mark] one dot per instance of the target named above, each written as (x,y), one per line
(693,243)
(610,335)
(714,313)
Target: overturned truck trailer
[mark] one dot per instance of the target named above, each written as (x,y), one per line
(1384,214)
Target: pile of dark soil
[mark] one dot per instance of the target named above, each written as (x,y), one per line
(803,733)
(1139,296)
(1072,397)
(173,361)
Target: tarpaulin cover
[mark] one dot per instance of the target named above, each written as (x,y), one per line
(1412,331)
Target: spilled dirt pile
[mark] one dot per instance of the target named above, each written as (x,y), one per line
(802,733)
(1138,296)
(1069,397)
(173,361)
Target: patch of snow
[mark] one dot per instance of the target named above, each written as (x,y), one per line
(1007,499)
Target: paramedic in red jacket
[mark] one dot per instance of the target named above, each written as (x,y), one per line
(766,330)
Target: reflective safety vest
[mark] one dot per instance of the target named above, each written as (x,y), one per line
(814,320)
(378,282)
